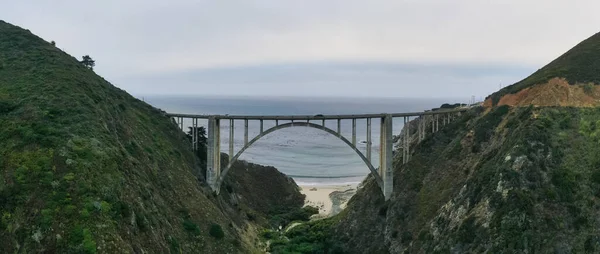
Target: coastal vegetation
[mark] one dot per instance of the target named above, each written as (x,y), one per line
(312,237)
(498,179)
(86,168)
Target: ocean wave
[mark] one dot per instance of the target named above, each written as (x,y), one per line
(299,183)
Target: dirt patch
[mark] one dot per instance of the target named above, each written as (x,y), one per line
(556,92)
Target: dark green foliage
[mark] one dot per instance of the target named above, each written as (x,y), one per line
(82,160)
(590,245)
(173,245)
(312,237)
(406,237)
(201,150)
(467,231)
(191,227)
(80,240)
(581,64)
(383,210)
(565,181)
(88,62)
(268,234)
(140,221)
(282,217)
(596,176)
(451,106)
(216,231)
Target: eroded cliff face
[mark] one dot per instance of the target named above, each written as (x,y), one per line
(520,180)
(555,92)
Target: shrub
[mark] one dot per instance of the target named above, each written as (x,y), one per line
(216,231)
(89,245)
(596,176)
(191,227)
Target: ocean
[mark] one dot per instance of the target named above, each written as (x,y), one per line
(310,156)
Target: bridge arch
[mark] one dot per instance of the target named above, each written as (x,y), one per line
(232,160)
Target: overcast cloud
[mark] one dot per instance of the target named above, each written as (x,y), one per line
(388,48)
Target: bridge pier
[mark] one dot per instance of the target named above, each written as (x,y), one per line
(385,157)
(213,163)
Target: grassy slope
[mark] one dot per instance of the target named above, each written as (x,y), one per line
(581,64)
(84,166)
(503,182)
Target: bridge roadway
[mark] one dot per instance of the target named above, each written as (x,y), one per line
(215,174)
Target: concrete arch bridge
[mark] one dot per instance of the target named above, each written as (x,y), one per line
(216,173)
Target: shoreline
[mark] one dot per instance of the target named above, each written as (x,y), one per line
(330,199)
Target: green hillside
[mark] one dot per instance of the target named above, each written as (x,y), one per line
(581,64)
(511,180)
(85,167)
(523,180)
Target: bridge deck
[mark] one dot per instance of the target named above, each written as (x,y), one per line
(316,117)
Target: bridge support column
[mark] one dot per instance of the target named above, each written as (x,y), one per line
(353,131)
(245,132)
(369,140)
(385,156)
(213,163)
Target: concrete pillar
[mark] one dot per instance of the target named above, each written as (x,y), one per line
(385,156)
(354,131)
(194,134)
(382,147)
(404,140)
(339,126)
(231,132)
(213,154)
(369,140)
(407,139)
(261,126)
(245,132)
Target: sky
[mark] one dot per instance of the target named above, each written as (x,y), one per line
(340,48)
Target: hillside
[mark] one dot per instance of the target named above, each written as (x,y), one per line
(86,168)
(570,80)
(525,180)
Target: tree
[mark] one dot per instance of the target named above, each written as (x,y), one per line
(201,138)
(53,43)
(88,62)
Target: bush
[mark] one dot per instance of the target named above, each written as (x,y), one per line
(298,214)
(596,176)
(191,227)
(311,237)
(216,231)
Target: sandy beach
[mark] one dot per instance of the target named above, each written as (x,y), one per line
(330,199)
